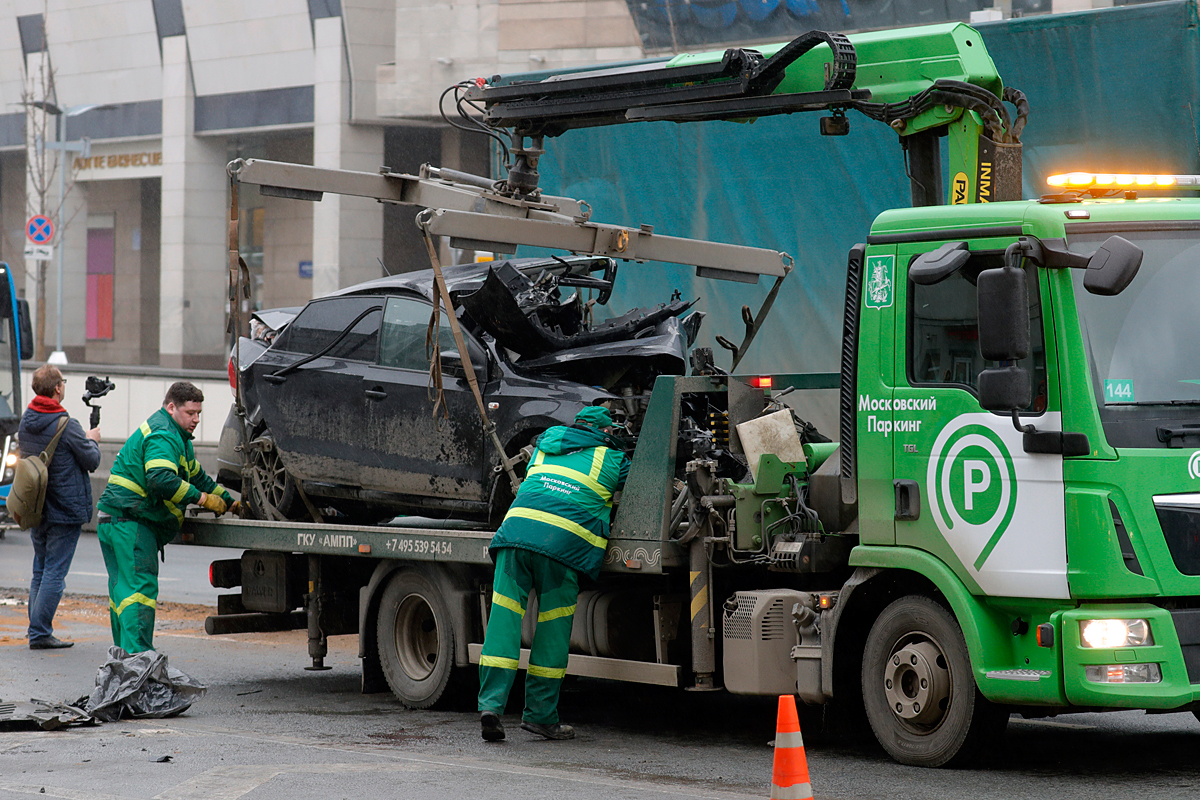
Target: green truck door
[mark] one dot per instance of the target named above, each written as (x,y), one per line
(969,493)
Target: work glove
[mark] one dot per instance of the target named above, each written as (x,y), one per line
(235,508)
(214,503)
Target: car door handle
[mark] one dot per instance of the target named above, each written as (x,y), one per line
(375,394)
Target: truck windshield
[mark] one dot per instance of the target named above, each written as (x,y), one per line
(1141,344)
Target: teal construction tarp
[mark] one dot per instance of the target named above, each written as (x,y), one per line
(1112,89)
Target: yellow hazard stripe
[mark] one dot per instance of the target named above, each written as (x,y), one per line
(133,598)
(498,661)
(174,509)
(574,475)
(125,483)
(556,613)
(145,428)
(699,602)
(181,492)
(547,672)
(160,463)
(507,602)
(559,522)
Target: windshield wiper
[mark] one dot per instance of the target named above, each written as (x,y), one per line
(1167,433)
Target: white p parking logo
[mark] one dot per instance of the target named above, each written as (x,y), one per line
(977,477)
(972,487)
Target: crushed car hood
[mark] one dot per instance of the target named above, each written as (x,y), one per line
(532,323)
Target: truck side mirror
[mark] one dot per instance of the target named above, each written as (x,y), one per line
(1111,268)
(937,265)
(1004,335)
(1003,314)
(1004,388)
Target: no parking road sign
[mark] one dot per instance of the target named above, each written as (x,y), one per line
(39,229)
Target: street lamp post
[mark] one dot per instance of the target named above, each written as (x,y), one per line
(65,147)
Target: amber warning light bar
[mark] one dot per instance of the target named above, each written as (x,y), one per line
(1090,180)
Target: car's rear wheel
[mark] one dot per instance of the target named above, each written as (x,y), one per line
(415,638)
(271,492)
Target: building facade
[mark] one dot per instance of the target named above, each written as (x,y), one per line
(153,98)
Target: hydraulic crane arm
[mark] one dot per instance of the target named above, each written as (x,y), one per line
(924,82)
(474,215)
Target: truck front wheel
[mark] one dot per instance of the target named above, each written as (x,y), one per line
(920,696)
(415,639)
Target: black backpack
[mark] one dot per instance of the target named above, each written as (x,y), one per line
(30,477)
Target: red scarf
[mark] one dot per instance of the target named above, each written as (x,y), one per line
(46,405)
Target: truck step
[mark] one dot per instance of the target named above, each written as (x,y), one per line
(1018,674)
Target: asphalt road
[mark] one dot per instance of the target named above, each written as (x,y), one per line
(268,729)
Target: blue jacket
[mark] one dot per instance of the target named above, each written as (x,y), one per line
(69,491)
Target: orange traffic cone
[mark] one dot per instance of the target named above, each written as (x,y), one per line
(789,779)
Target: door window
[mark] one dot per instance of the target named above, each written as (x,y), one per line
(943,334)
(322,321)
(405,325)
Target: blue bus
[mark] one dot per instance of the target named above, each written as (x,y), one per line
(16,343)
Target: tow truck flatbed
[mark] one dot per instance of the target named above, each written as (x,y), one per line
(462,546)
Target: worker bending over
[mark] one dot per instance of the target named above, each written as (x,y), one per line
(154,478)
(556,529)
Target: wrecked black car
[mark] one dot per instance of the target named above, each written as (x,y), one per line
(340,402)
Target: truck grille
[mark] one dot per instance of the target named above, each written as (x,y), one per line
(1179,516)
(1187,628)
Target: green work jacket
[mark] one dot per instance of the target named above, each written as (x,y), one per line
(155,476)
(563,507)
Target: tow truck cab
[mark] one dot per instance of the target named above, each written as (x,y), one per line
(1068,550)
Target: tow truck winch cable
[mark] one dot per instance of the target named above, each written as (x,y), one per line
(435,355)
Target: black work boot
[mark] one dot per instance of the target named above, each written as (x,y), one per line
(557,731)
(492,727)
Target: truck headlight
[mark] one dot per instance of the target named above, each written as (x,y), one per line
(1123,673)
(1103,633)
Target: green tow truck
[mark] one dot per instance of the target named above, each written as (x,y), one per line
(1009,518)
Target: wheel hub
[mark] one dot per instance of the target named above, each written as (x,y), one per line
(416,637)
(917,683)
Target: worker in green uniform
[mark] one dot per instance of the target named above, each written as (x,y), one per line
(556,529)
(154,478)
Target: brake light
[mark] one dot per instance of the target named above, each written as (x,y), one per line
(762,382)
(232,377)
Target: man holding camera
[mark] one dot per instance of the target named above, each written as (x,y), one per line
(153,480)
(68,499)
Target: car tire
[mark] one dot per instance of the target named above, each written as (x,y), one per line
(415,638)
(918,688)
(270,485)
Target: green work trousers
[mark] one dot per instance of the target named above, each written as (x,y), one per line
(131,555)
(557,586)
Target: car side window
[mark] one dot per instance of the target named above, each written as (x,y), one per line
(402,340)
(322,321)
(943,334)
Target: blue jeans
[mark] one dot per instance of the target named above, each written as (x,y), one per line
(53,549)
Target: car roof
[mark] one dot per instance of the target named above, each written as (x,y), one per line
(459,277)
